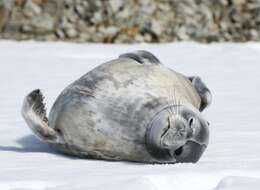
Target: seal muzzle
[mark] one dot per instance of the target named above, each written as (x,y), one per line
(177,137)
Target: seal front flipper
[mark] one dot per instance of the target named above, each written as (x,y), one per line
(34,113)
(203,91)
(142,56)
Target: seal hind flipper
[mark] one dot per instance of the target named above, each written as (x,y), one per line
(203,91)
(142,56)
(34,113)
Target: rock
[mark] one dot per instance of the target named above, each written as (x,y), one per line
(26,28)
(60,34)
(80,10)
(111,30)
(31,9)
(239,2)
(64,23)
(181,33)
(97,18)
(223,2)
(43,24)
(157,27)
(71,32)
(119,21)
(115,5)
(254,35)
(124,14)
(3,15)
(48,37)
(72,18)
(84,37)
(147,38)
(139,38)
(224,26)
(82,26)
(68,3)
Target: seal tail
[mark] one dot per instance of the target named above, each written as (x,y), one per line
(34,113)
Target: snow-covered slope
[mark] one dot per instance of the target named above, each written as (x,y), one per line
(232,160)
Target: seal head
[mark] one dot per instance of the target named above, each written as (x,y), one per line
(177,136)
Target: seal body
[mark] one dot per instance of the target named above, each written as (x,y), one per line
(112,113)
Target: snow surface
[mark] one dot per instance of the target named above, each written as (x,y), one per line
(232,160)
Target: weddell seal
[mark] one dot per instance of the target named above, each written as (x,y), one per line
(132,108)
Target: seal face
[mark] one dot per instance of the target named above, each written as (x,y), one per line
(172,136)
(132,108)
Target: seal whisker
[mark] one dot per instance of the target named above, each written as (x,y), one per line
(179,105)
(174,101)
(169,104)
(170,109)
(170,99)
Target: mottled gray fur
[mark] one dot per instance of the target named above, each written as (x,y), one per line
(131,108)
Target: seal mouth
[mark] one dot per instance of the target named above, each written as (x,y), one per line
(178,151)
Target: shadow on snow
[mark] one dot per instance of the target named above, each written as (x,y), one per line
(28,143)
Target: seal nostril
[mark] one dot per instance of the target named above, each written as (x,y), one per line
(191,121)
(178,151)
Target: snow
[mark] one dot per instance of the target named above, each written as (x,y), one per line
(238,183)
(232,160)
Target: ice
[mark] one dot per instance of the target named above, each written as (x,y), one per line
(238,183)
(232,72)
